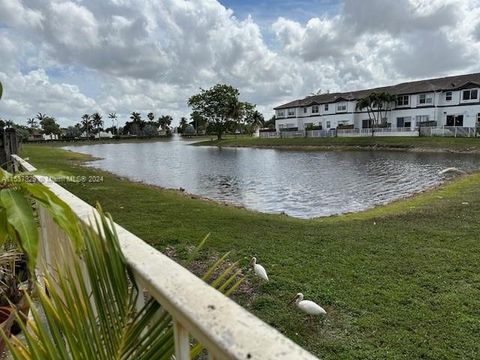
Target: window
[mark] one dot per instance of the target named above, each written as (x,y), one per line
(404,122)
(422,120)
(454,120)
(402,100)
(341,107)
(470,94)
(281,113)
(478,119)
(424,99)
(328,124)
(366,124)
(448,96)
(315,109)
(304,110)
(326,107)
(291,112)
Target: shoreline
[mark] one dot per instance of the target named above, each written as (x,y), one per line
(320,148)
(396,144)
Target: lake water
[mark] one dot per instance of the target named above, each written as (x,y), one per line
(301,184)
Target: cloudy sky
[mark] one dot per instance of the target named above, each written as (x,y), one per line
(70,57)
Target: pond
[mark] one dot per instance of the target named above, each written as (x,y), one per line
(303,184)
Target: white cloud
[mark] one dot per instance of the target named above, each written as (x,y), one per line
(152,55)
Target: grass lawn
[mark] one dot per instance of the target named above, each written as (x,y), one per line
(399,281)
(392,142)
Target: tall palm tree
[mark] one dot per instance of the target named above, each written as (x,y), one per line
(1,89)
(151,116)
(9,124)
(136,117)
(236,113)
(32,123)
(255,120)
(183,124)
(113,116)
(86,124)
(97,122)
(40,116)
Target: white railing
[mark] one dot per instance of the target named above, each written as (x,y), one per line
(225,329)
(452,131)
(268,134)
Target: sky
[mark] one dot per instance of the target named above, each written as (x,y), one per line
(70,57)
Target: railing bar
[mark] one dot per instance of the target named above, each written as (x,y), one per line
(182,343)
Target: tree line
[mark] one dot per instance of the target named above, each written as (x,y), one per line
(217,110)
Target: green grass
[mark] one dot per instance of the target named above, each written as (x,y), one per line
(398,281)
(420,143)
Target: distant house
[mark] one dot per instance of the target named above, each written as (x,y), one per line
(448,101)
(50,137)
(104,134)
(35,136)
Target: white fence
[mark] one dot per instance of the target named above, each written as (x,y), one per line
(451,131)
(226,329)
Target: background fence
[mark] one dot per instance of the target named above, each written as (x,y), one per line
(450,131)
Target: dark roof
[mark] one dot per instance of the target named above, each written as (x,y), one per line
(412,87)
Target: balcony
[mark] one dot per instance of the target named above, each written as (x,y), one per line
(226,329)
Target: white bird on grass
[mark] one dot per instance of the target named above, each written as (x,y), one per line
(259,269)
(307,306)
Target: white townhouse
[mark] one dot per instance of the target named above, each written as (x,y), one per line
(448,101)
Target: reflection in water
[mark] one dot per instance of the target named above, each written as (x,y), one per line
(301,184)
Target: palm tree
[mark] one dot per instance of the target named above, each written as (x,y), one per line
(40,116)
(136,117)
(377,106)
(97,122)
(1,89)
(151,116)
(255,120)
(86,124)
(32,123)
(236,113)
(113,117)
(9,124)
(183,124)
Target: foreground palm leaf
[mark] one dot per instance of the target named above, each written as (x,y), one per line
(91,309)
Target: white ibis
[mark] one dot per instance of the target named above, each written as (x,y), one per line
(307,306)
(259,269)
(451,170)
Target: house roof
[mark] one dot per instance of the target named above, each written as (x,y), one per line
(413,87)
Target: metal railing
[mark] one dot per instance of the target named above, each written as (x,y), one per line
(227,330)
(452,131)
(449,131)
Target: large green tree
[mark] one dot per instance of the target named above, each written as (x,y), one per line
(49,125)
(217,106)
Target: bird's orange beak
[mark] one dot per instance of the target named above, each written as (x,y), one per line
(293,299)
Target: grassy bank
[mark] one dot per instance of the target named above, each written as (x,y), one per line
(400,281)
(394,143)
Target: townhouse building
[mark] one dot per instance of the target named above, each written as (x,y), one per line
(447,101)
